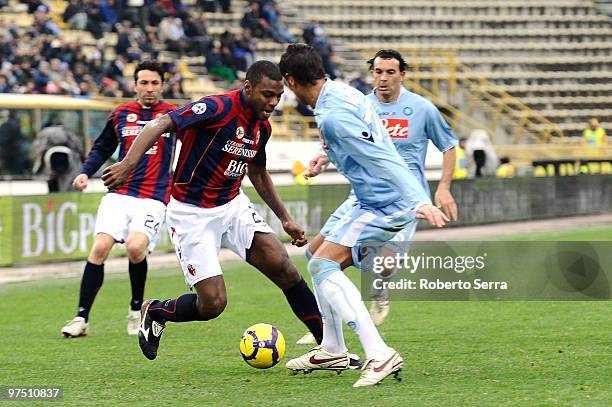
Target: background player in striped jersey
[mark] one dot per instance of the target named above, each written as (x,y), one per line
(133,213)
(223,138)
(411,122)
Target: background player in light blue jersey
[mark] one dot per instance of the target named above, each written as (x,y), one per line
(411,121)
(388,198)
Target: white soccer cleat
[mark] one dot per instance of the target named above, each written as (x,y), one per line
(133,323)
(319,359)
(376,369)
(75,327)
(379,311)
(307,339)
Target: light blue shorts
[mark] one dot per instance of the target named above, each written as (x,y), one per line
(352,224)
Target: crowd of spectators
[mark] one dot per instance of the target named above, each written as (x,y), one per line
(37,58)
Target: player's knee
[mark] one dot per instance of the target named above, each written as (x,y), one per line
(99,252)
(212,307)
(136,252)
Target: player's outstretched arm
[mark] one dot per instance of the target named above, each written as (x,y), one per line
(443,197)
(264,186)
(117,173)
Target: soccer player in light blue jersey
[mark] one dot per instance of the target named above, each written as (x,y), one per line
(388,197)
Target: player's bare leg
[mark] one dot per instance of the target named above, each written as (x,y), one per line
(91,282)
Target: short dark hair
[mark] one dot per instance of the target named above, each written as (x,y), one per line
(302,62)
(389,54)
(149,66)
(260,69)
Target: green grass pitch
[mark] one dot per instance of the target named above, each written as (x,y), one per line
(456,353)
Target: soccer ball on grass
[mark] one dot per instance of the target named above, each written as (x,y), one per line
(262,346)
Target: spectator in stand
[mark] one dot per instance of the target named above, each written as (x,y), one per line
(244,51)
(172,34)
(506,168)
(110,88)
(14,148)
(594,135)
(34,5)
(108,10)
(174,91)
(4,85)
(196,32)
(210,6)
(254,21)
(75,15)
(361,83)
(43,22)
(271,11)
(314,35)
(216,65)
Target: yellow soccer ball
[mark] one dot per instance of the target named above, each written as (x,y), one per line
(262,346)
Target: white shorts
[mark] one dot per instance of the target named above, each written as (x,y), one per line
(197,234)
(120,214)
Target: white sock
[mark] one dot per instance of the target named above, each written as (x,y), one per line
(333,337)
(344,300)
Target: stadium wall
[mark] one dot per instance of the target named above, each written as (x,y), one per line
(42,228)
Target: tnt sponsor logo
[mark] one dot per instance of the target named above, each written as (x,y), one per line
(235,169)
(397,128)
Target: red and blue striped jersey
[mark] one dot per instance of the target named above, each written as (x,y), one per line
(220,136)
(151,177)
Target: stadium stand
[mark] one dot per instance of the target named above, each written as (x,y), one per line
(544,62)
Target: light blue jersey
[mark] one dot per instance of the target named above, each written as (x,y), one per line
(411,122)
(357,143)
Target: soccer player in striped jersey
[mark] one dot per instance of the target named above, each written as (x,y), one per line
(134,212)
(223,138)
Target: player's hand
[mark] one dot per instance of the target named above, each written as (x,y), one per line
(445,201)
(80,182)
(432,215)
(316,166)
(296,232)
(116,174)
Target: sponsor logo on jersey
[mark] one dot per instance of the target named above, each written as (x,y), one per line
(240,132)
(238,149)
(198,108)
(235,169)
(130,131)
(397,128)
(131,118)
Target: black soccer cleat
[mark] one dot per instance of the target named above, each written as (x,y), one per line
(149,333)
